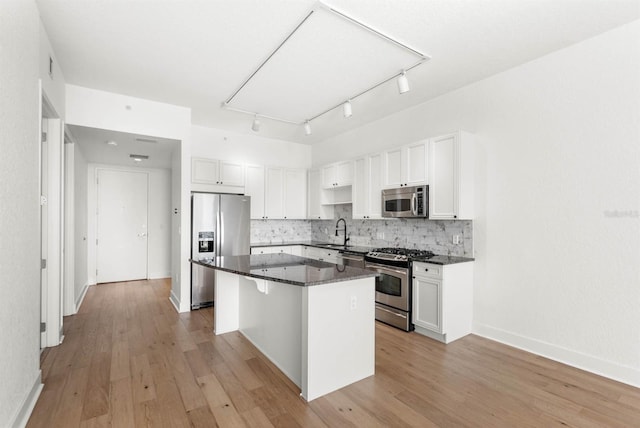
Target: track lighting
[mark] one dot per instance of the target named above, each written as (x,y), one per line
(403,83)
(255,126)
(346,109)
(307,128)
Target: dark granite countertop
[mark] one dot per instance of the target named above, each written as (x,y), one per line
(445,260)
(286,268)
(356,249)
(436,260)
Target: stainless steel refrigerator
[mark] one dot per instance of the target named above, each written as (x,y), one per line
(220,226)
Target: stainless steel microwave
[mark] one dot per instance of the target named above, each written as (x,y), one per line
(406,202)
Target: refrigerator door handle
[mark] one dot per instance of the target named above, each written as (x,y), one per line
(219,237)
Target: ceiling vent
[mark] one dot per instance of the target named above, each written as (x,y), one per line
(138,158)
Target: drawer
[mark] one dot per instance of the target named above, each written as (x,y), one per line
(427,270)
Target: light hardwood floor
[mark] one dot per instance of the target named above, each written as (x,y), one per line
(128,359)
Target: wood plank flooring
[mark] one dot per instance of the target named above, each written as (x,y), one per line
(129,360)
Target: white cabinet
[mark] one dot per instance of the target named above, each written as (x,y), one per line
(443,300)
(337,175)
(316,209)
(285,194)
(322,254)
(295,193)
(367,186)
(277,193)
(255,187)
(216,172)
(451,176)
(406,165)
(274,193)
(295,250)
(270,250)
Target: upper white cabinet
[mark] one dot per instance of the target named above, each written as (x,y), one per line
(367,186)
(316,209)
(216,172)
(451,176)
(337,174)
(406,165)
(295,193)
(255,187)
(274,193)
(284,194)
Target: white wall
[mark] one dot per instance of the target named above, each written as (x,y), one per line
(159,220)
(53,85)
(19,210)
(81,214)
(106,110)
(248,149)
(557,231)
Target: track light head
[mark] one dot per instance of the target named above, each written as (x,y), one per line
(347,111)
(307,128)
(403,82)
(255,126)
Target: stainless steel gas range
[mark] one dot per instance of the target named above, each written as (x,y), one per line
(393,286)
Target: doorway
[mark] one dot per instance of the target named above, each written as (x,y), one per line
(51,225)
(122,225)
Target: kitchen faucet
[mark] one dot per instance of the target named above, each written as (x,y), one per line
(346,238)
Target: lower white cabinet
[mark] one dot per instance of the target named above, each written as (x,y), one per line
(443,300)
(295,250)
(322,254)
(270,250)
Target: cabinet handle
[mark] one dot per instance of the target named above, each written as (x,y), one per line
(413,277)
(426,270)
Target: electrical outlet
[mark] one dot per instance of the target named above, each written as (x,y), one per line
(380,235)
(354,303)
(456,239)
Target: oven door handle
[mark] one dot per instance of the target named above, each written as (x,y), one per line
(385,268)
(391,312)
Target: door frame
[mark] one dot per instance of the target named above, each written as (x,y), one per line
(51,278)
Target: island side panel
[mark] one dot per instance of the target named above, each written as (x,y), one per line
(338,335)
(226,303)
(270,318)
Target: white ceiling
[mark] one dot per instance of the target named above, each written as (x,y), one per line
(94,147)
(196,53)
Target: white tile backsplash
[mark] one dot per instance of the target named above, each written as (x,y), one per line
(277,231)
(433,235)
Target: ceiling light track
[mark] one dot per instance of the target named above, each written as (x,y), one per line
(269,57)
(403,85)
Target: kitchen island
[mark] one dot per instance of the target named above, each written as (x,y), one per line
(314,320)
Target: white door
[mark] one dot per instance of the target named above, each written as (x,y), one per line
(122,226)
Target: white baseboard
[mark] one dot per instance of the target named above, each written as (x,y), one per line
(80,298)
(22,415)
(174,301)
(158,275)
(611,370)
